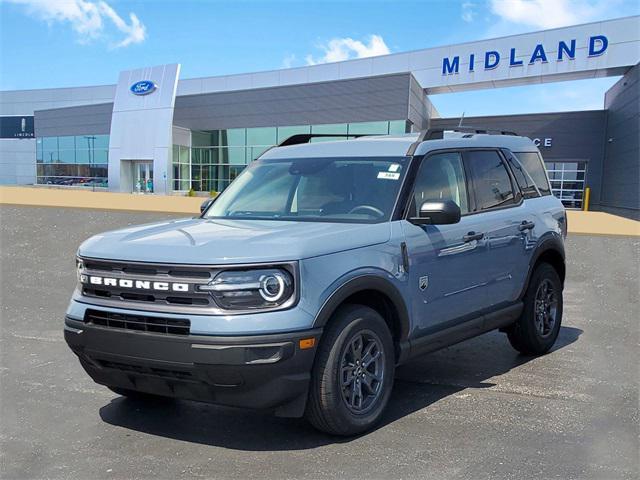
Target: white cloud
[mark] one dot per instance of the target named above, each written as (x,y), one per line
(468,11)
(90,20)
(339,49)
(288,61)
(548,13)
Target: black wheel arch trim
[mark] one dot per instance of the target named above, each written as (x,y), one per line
(550,242)
(362,283)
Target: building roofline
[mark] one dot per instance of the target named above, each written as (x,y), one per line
(350,61)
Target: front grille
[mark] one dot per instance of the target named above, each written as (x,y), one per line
(192,276)
(139,323)
(152,270)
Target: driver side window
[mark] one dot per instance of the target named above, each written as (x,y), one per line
(440,177)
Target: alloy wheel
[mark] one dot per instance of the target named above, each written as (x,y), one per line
(362,372)
(546,308)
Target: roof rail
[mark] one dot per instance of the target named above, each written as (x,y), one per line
(438,133)
(299,138)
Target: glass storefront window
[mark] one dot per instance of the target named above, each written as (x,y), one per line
(68,156)
(218,156)
(261,136)
(398,127)
(73,160)
(369,128)
(69,143)
(336,128)
(100,156)
(101,142)
(233,137)
(184,154)
(50,143)
(286,132)
(233,155)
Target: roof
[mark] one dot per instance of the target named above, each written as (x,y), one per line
(379,146)
(397,146)
(456,140)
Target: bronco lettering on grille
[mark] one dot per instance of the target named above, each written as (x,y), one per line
(137,284)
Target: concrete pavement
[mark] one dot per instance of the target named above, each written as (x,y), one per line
(475,410)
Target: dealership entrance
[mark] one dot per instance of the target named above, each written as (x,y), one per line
(142,177)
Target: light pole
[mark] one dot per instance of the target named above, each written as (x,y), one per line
(92,156)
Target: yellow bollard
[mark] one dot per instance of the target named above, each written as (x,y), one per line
(585,199)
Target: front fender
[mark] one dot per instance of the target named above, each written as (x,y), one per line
(359,283)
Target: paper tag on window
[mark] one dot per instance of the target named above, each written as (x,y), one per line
(394,167)
(388,175)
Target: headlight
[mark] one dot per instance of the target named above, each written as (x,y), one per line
(82,278)
(251,289)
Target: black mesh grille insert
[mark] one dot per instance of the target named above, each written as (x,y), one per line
(138,322)
(161,372)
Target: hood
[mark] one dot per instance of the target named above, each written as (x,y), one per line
(215,241)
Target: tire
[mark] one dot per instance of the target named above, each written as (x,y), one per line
(338,411)
(533,333)
(139,396)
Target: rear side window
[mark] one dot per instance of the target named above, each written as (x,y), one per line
(523,178)
(534,166)
(491,182)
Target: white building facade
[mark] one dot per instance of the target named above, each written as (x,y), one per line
(153,132)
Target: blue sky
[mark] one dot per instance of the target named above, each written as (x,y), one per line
(59,43)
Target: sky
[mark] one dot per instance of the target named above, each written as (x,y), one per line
(63,43)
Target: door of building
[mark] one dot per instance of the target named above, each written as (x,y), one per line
(142,177)
(568,179)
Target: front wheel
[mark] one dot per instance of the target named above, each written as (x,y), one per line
(353,373)
(537,329)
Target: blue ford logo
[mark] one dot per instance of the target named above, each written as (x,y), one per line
(142,87)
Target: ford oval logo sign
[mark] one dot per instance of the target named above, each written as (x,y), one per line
(143,87)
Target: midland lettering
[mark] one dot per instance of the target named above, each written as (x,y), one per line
(597,45)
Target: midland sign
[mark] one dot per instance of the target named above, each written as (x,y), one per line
(564,50)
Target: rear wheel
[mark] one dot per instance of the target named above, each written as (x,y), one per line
(537,329)
(353,373)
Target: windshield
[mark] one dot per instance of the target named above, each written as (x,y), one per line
(314,189)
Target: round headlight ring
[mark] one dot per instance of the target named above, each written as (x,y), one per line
(272,287)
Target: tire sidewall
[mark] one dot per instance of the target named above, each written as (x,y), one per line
(352,321)
(544,271)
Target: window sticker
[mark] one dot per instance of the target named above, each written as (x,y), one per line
(388,175)
(394,167)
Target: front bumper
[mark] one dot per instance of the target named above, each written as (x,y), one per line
(267,372)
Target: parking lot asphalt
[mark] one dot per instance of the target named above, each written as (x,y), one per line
(475,410)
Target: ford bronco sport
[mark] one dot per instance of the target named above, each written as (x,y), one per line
(322,267)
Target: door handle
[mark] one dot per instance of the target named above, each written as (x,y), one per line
(526,226)
(471,236)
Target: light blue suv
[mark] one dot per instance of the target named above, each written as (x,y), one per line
(322,267)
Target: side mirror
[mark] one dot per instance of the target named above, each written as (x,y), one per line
(206,204)
(437,212)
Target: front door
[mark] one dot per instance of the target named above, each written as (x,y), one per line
(142,177)
(448,263)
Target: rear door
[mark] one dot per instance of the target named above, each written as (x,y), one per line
(497,204)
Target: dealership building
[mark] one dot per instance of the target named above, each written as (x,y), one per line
(154,132)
